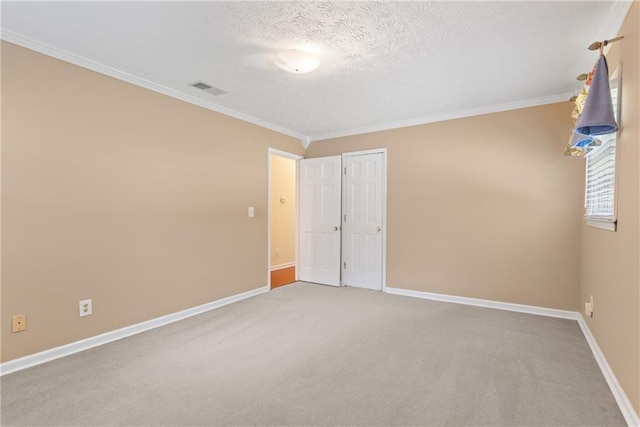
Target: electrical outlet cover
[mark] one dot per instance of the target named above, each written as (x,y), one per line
(19,323)
(85,308)
(588,308)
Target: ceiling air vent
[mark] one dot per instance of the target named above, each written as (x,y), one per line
(208,88)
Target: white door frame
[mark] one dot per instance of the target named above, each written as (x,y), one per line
(296,157)
(383,151)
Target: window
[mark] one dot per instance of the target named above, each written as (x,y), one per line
(599,196)
(600,181)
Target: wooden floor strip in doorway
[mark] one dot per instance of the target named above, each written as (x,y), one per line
(283,276)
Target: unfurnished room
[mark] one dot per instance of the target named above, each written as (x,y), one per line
(306,213)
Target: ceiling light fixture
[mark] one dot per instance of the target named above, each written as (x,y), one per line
(296,61)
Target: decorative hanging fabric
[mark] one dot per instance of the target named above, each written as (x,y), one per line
(580,101)
(579,145)
(593,112)
(573,151)
(597,117)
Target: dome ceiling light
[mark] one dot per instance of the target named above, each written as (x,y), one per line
(296,61)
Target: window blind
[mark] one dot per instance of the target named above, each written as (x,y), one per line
(600,182)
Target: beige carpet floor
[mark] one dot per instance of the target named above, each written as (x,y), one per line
(307,354)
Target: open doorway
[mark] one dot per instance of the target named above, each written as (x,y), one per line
(283,218)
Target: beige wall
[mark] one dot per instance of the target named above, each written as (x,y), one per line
(137,200)
(611,261)
(483,207)
(126,196)
(283,215)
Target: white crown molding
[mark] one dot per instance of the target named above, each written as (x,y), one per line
(610,28)
(80,61)
(628,412)
(89,64)
(487,109)
(613,23)
(95,341)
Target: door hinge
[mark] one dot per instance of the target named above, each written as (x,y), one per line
(345,170)
(345,217)
(345,265)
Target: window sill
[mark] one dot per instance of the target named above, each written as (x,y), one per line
(605,225)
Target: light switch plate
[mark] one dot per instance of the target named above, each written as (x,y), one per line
(251,212)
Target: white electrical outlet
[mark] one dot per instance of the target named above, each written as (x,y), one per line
(588,307)
(251,212)
(85,308)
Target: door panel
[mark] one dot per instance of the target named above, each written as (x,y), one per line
(320,205)
(362,221)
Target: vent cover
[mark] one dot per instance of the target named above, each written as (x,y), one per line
(208,88)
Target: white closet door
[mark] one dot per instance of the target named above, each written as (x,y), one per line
(362,221)
(320,200)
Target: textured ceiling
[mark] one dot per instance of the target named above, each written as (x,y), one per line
(383,63)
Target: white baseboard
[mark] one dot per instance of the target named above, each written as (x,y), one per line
(520,308)
(621,398)
(85,344)
(629,413)
(281,266)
